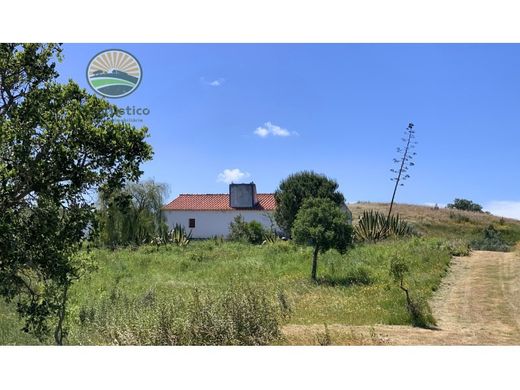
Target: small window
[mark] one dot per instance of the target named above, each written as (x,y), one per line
(191,223)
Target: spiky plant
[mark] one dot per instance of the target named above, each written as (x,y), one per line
(375,226)
(179,236)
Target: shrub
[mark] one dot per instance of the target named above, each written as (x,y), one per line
(359,274)
(236,316)
(252,232)
(458,217)
(458,247)
(465,204)
(418,308)
(491,240)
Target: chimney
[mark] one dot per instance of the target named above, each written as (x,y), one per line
(242,196)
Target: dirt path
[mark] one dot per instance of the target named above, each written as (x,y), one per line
(478,303)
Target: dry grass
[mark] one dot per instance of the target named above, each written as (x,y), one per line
(444,222)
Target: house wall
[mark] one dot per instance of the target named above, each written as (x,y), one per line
(213,223)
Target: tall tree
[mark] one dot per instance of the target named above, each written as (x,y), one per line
(293,191)
(58,145)
(132,215)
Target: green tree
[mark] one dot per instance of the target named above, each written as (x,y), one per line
(252,232)
(58,146)
(465,204)
(322,224)
(295,189)
(132,215)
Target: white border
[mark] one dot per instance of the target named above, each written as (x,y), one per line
(259,367)
(262,21)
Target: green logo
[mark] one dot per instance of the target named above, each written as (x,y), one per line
(114,73)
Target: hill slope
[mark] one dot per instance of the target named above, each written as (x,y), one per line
(444,222)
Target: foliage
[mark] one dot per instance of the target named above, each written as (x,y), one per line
(459,218)
(179,237)
(491,240)
(241,315)
(132,215)
(465,204)
(252,232)
(420,312)
(458,247)
(298,187)
(354,288)
(323,225)
(374,226)
(58,145)
(271,238)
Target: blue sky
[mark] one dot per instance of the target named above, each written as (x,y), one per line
(260,112)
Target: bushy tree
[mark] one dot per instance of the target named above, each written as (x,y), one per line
(465,204)
(298,187)
(252,232)
(132,215)
(323,225)
(58,145)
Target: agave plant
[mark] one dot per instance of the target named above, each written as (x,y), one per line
(179,236)
(375,226)
(271,238)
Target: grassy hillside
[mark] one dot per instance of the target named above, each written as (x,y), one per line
(214,292)
(125,300)
(444,222)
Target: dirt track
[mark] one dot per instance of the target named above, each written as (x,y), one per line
(478,303)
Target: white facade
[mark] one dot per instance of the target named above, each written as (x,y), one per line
(209,223)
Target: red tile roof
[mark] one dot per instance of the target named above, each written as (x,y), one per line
(216,202)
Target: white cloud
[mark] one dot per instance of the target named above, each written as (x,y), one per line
(217,83)
(271,129)
(213,83)
(504,208)
(231,175)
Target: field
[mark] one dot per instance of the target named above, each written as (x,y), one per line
(218,292)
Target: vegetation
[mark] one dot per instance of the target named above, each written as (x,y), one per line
(179,237)
(132,215)
(58,145)
(374,226)
(405,162)
(355,288)
(252,232)
(465,204)
(236,316)
(491,240)
(323,225)
(420,313)
(293,191)
(444,223)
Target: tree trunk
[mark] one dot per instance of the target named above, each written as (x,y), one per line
(58,332)
(314,263)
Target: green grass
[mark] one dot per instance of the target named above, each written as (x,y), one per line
(354,288)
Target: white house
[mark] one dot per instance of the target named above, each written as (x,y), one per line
(209,215)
